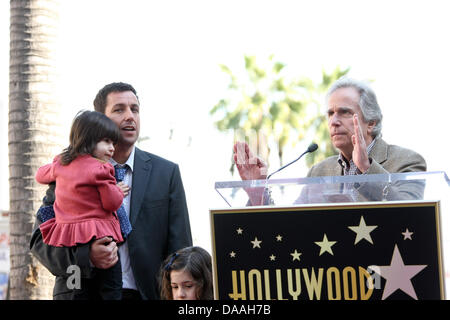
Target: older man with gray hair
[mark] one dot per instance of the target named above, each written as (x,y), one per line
(354,123)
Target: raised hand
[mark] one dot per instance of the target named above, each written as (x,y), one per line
(250,167)
(359,156)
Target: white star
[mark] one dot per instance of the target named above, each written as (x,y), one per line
(407,234)
(279,238)
(239,231)
(272,257)
(398,275)
(233,254)
(363,231)
(325,245)
(256,243)
(296,255)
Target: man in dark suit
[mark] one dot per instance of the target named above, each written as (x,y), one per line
(156,206)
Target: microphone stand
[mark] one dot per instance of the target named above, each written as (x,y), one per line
(312,147)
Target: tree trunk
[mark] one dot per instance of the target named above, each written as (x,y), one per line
(33,134)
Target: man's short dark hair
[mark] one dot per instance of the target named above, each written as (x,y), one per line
(100,99)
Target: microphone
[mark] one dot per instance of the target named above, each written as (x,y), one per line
(312,147)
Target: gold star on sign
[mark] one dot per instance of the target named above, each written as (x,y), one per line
(363,231)
(325,245)
(279,238)
(296,255)
(272,257)
(256,243)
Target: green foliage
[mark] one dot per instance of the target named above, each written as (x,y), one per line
(266,100)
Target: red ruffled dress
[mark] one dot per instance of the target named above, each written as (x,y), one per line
(86,198)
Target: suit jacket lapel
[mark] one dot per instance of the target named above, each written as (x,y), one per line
(141,174)
(337,170)
(379,151)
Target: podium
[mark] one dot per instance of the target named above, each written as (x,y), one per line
(364,237)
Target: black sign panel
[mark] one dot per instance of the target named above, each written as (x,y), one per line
(328,252)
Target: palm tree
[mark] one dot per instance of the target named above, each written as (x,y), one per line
(33,122)
(267,104)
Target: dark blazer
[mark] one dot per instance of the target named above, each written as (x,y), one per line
(160,220)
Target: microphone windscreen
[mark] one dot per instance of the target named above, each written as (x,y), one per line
(312,147)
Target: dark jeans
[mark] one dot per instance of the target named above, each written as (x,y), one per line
(109,282)
(129,294)
(106,285)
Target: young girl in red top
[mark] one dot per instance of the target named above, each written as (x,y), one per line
(87,197)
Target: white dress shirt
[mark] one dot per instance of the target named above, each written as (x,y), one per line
(128,281)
